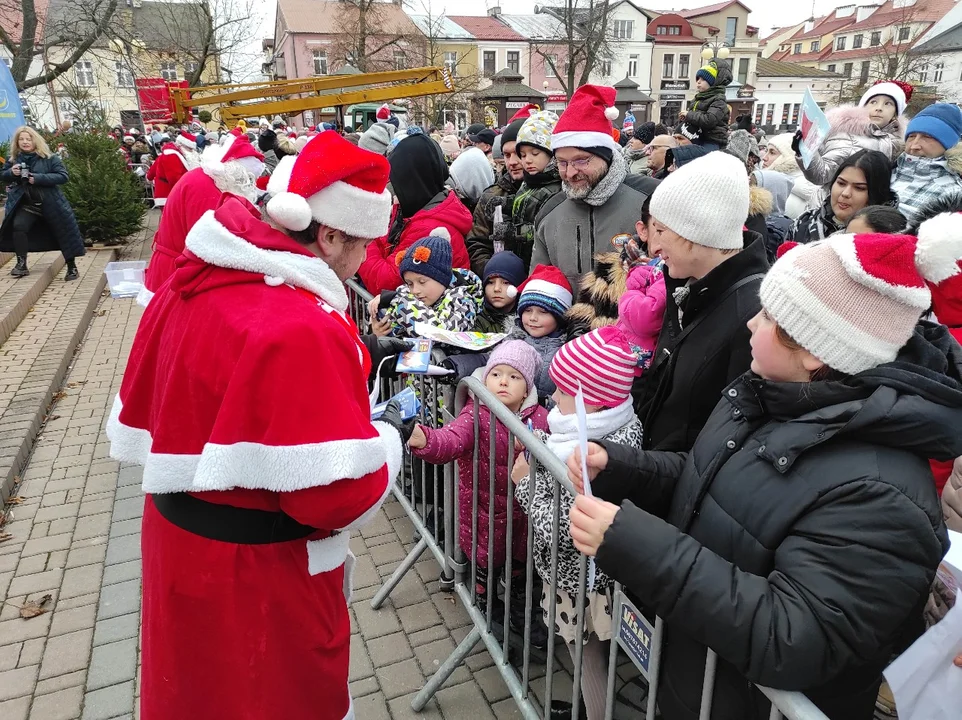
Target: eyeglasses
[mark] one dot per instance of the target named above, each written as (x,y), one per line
(580,164)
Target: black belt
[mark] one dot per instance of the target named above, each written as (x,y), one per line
(226,523)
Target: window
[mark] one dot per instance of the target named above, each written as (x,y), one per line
(683,62)
(770,113)
(847,71)
(668,30)
(863,74)
(606,68)
(661,30)
(84,70)
(839,43)
(743,64)
(759,112)
(924,74)
(190,67)
(667,68)
(168,71)
(857,41)
(489,60)
(400,62)
(632,66)
(939,67)
(904,33)
(816,45)
(320,62)
(622,29)
(731,29)
(550,63)
(831,68)
(876,39)
(796,108)
(514,60)
(798,49)
(124,78)
(451,63)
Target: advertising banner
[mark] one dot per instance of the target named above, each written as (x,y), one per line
(11,109)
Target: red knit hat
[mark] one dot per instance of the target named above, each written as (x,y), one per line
(335,183)
(242,148)
(853,300)
(187,140)
(586,122)
(524,113)
(383,113)
(601,362)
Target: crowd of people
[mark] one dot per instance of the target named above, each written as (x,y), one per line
(767,351)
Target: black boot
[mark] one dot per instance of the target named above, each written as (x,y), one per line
(72,272)
(520,613)
(20,269)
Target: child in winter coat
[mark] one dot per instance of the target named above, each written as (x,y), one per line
(708,117)
(641,311)
(544,299)
(503,273)
(432,293)
(603,365)
(509,374)
(541,183)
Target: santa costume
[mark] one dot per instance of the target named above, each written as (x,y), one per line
(245,400)
(169,167)
(198,191)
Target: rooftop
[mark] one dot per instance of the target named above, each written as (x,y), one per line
(824,26)
(486,28)
(327,17)
(773,68)
(949,22)
(440,27)
(542,26)
(710,9)
(894,12)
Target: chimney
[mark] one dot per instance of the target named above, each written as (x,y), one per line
(494,11)
(844,11)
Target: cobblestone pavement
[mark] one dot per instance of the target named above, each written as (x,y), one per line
(74,534)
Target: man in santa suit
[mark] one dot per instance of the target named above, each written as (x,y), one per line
(230,168)
(170,166)
(245,400)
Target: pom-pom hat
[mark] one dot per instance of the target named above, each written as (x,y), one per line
(242,149)
(335,183)
(383,113)
(537,129)
(507,266)
(900,92)
(429,256)
(586,123)
(601,362)
(187,140)
(853,300)
(708,73)
(516,354)
(546,288)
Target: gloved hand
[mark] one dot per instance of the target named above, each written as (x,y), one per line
(452,378)
(392,416)
(640,277)
(387,347)
(796,141)
(502,232)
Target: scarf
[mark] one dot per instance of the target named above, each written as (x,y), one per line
(564,428)
(606,187)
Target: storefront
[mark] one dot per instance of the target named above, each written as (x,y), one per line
(741,99)
(507,94)
(672,99)
(629,98)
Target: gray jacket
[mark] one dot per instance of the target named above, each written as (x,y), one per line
(568,233)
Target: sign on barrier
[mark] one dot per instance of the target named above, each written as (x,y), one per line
(635,634)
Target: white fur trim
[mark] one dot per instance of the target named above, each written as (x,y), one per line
(290,211)
(939,247)
(250,465)
(583,139)
(886,88)
(215,244)
(550,289)
(350,711)
(160,202)
(349,562)
(352,210)
(844,247)
(441,232)
(395,456)
(181,140)
(611,113)
(328,554)
(177,155)
(281,177)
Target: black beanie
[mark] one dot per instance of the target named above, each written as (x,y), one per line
(510,133)
(604,153)
(645,132)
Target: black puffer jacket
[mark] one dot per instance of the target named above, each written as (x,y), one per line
(803,532)
(709,117)
(674,402)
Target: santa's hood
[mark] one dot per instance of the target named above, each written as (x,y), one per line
(854,120)
(947,303)
(232,245)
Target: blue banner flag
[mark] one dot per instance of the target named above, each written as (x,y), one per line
(11,109)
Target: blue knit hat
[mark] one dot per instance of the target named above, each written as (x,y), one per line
(430,256)
(507,266)
(546,288)
(940,121)
(708,73)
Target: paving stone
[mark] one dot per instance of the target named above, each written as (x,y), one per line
(389,552)
(61,682)
(125,527)
(31,565)
(464,700)
(506,710)
(400,678)
(124,571)
(66,621)
(92,526)
(375,623)
(117,628)
(409,590)
(87,554)
(492,684)
(423,637)
(35,583)
(389,649)
(119,599)
(365,572)
(9,654)
(109,702)
(431,655)
(128,509)
(112,663)
(361,666)
(17,630)
(378,526)
(371,707)
(47,544)
(60,705)
(401,709)
(66,653)
(18,682)
(15,709)
(123,549)
(81,581)
(418,617)
(31,652)
(451,610)
(365,686)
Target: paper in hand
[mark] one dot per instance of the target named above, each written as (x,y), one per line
(581,416)
(497,218)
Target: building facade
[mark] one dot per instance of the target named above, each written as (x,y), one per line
(779,89)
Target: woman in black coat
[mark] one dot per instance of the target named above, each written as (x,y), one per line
(800,535)
(37,216)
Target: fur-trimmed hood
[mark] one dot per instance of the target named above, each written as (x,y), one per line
(785,163)
(953,158)
(760,201)
(598,295)
(854,120)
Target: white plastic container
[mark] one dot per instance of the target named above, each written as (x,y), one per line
(126,279)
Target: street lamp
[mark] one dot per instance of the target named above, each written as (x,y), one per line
(716,49)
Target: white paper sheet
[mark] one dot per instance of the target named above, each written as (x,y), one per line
(581,416)
(953,558)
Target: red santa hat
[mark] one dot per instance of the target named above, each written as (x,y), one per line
(547,288)
(242,148)
(524,113)
(383,113)
(335,183)
(237,131)
(586,122)
(187,140)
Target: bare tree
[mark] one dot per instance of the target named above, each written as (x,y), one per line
(365,29)
(86,111)
(27,33)
(583,32)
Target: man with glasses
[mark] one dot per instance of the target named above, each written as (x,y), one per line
(600,201)
(657,153)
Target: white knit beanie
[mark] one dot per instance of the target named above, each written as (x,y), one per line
(853,301)
(705,201)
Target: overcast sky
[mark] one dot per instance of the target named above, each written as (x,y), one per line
(765,13)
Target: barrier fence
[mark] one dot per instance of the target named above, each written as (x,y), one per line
(505,603)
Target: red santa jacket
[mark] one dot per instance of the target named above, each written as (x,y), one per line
(193,195)
(169,167)
(947,306)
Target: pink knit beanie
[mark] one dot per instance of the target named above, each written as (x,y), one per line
(601,362)
(518,355)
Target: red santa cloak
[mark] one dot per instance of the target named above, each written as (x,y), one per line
(169,167)
(245,393)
